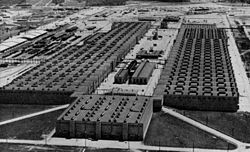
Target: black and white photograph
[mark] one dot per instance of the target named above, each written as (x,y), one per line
(124,75)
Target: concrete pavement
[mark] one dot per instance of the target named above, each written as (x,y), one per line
(34,114)
(239,71)
(106,144)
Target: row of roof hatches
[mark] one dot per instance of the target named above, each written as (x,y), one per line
(23,37)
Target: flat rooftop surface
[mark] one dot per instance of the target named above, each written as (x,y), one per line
(108,85)
(105,108)
(200,58)
(71,69)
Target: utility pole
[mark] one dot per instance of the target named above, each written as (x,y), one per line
(45,139)
(85,140)
(206,120)
(232,131)
(193,146)
(159,145)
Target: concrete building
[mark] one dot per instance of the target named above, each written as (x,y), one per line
(143,73)
(76,70)
(105,2)
(58,1)
(124,118)
(24,6)
(121,76)
(149,54)
(198,74)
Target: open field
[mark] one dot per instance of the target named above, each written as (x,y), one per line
(13,111)
(32,128)
(232,124)
(165,130)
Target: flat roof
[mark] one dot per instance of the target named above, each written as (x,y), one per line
(16,40)
(33,34)
(148,67)
(75,69)
(209,72)
(107,108)
(144,69)
(3,47)
(39,31)
(9,44)
(29,36)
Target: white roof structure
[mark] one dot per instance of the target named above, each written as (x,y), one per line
(33,34)
(9,44)
(38,32)
(3,47)
(29,36)
(20,39)
(16,40)
(6,45)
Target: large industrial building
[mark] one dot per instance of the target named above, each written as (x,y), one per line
(126,73)
(135,73)
(124,118)
(133,81)
(58,1)
(198,74)
(143,73)
(105,2)
(76,70)
(169,0)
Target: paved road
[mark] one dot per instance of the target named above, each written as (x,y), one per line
(239,71)
(48,3)
(33,114)
(108,144)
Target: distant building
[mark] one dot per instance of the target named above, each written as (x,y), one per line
(171,0)
(58,1)
(234,1)
(7,30)
(5,26)
(24,5)
(142,73)
(105,2)
(175,0)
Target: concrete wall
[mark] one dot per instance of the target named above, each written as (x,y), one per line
(209,103)
(34,97)
(105,2)
(100,130)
